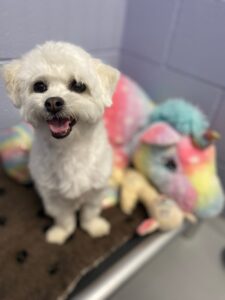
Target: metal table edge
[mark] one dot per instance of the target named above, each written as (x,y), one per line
(121,271)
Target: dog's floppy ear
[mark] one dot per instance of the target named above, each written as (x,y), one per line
(109,77)
(10,76)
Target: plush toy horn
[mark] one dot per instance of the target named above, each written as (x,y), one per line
(211,135)
(206,138)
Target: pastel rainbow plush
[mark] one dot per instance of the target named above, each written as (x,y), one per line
(128,114)
(15,144)
(180,169)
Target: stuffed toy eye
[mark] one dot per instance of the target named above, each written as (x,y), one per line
(40,87)
(171,164)
(78,87)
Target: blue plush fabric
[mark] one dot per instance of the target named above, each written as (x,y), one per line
(184,117)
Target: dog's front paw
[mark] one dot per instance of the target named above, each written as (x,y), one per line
(57,235)
(96,227)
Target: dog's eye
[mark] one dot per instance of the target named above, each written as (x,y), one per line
(40,87)
(78,87)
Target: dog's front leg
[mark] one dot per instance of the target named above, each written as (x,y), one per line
(90,219)
(64,220)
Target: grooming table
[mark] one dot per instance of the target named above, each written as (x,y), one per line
(32,269)
(105,279)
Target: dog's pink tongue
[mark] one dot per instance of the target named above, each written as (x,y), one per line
(59,125)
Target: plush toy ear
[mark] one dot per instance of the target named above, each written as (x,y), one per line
(161,134)
(109,77)
(10,72)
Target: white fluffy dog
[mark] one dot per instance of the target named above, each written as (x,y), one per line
(62,91)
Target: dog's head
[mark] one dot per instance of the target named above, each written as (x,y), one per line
(59,84)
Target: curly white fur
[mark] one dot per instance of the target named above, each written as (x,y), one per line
(71,173)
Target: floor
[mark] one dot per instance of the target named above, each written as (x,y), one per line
(188,268)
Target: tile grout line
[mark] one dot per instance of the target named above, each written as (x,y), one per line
(94,50)
(173,69)
(171,33)
(143,58)
(3,61)
(195,77)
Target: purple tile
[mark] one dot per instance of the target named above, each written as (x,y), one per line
(162,84)
(95,24)
(24,24)
(198,47)
(109,57)
(9,115)
(219,125)
(170,84)
(221,171)
(143,72)
(147,27)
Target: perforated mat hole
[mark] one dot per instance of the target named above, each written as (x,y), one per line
(21,256)
(53,268)
(2,191)
(41,214)
(29,185)
(129,219)
(3,220)
(46,227)
(70,238)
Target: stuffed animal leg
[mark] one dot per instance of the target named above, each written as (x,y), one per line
(134,187)
(165,213)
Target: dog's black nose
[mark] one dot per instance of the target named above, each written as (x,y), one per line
(54,104)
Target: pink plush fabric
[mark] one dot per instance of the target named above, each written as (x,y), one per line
(129,112)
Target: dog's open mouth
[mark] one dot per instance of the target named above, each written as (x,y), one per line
(61,127)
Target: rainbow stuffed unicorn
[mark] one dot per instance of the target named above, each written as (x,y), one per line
(180,169)
(170,144)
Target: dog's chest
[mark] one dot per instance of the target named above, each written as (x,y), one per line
(69,172)
(73,172)
(72,167)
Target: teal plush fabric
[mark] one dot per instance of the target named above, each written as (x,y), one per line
(184,117)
